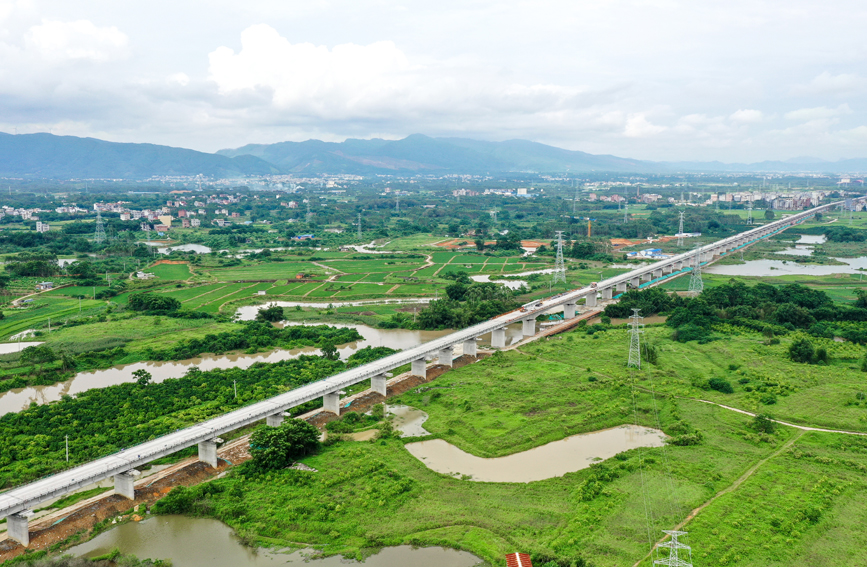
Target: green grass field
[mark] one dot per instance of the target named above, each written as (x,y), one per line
(170,271)
(36,315)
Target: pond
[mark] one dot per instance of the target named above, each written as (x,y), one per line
(201,542)
(783,268)
(548,461)
(6,348)
(408,420)
(248,312)
(197,248)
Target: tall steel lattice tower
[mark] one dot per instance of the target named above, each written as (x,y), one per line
(696,284)
(625,213)
(679,554)
(559,274)
(99,237)
(750,213)
(636,327)
(359,226)
(850,206)
(309,214)
(397,204)
(680,231)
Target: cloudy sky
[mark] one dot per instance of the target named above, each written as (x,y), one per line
(733,80)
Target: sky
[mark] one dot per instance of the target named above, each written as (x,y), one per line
(669,80)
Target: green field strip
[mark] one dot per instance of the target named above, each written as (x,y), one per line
(215,295)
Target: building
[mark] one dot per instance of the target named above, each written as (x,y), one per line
(185,223)
(42,226)
(145,275)
(518,560)
(161,227)
(182,213)
(165,220)
(236,215)
(45,285)
(195,223)
(125,216)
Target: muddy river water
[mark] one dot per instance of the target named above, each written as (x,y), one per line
(19,398)
(199,542)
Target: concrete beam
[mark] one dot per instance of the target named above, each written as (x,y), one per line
(528,327)
(498,338)
(331,402)
(124,483)
(470,347)
(208,452)
(419,368)
(377,384)
(607,293)
(590,300)
(17,526)
(445,356)
(568,311)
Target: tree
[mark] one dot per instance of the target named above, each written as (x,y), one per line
(802,351)
(37,355)
(329,351)
(764,423)
(769,214)
(271,314)
(142,377)
(275,448)
(480,244)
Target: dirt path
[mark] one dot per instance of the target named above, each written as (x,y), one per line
(312,290)
(392,289)
(206,293)
(444,265)
(734,486)
(787,424)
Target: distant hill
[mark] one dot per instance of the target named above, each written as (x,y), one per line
(422,154)
(66,157)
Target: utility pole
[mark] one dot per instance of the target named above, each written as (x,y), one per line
(67,447)
(235,385)
(359,226)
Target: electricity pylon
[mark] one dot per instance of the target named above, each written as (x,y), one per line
(636,327)
(559,266)
(625,213)
(750,213)
(675,549)
(99,237)
(359,226)
(696,284)
(680,231)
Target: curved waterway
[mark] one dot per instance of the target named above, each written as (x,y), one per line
(18,399)
(200,542)
(548,461)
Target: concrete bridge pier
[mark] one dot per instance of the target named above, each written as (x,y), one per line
(607,293)
(208,451)
(621,287)
(498,338)
(635,282)
(528,329)
(445,356)
(377,384)
(124,483)
(645,277)
(470,347)
(569,311)
(331,402)
(679,266)
(657,274)
(590,299)
(419,368)
(275,420)
(17,526)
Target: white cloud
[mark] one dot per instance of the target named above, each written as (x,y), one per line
(817,113)
(747,116)
(828,84)
(81,39)
(637,126)
(181,79)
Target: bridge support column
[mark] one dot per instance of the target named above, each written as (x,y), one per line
(445,356)
(621,287)
(275,420)
(498,338)
(18,528)
(419,368)
(590,300)
(607,293)
(377,384)
(645,277)
(208,452)
(657,274)
(331,402)
(635,282)
(569,311)
(124,483)
(528,329)
(470,347)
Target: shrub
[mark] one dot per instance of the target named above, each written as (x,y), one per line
(764,423)
(275,448)
(720,385)
(802,351)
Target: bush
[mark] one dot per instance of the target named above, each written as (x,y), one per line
(802,351)
(275,448)
(764,423)
(721,385)
(152,302)
(691,332)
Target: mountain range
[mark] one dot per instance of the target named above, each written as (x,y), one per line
(64,157)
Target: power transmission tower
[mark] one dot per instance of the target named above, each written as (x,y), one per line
(680,231)
(359,226)
(625,213)
(309,214)
(575,200)
(559,274)
(636,327)
(750,213)
(99,237)
(675,549)
(397,204)
(696,284)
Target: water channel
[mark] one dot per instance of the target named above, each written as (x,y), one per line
(19,398)
(548,461)
(200,542)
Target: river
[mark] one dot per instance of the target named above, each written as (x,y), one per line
(19,398)
(200,542)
